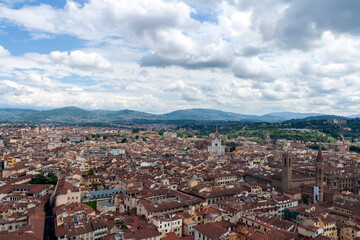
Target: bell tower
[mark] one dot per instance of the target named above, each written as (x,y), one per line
(217,132)
(319,174)
(286,171)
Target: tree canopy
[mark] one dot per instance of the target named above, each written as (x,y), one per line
(91,172)
(40,178)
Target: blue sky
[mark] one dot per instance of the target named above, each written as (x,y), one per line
(157,56)
(19,41)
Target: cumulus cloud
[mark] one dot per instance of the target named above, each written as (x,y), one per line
(99,19)
(76,59)
(185,92)
(83,60)
(4,52)
(164,26)
(304,22)
(252,68)
(12,89)
(37,79)
(244,56)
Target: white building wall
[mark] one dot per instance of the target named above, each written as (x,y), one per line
(216,147)
(169,226)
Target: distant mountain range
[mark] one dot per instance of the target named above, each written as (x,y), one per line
(78,115)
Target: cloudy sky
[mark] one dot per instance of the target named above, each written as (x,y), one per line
(251,57)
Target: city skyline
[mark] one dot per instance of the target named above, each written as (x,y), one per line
(160,56)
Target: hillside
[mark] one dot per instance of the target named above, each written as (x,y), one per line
(283,116)
(124,114)
(9,114)
(207,114)
(78,115)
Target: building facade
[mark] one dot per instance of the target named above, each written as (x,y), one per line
(216,147)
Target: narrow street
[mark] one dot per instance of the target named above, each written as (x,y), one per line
(49,229)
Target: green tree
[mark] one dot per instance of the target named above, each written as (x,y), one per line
(42,179)
(91,172)
(51,178)
(38,179)
(354,149)
(180,135)
(189,135)
(136,130)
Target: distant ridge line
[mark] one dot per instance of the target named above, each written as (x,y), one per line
(75,114)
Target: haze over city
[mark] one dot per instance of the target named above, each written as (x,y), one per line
(250,57)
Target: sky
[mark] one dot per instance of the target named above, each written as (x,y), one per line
(157,56)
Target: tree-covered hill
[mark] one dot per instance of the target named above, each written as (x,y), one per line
(76,115)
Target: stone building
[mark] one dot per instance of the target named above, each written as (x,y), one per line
(313,183)
(216,147)
(288,178)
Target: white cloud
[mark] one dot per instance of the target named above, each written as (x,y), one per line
(77,59)
(185,92)
(97,19)
(39,80)
(248,56)
(80,59)
(253,68)
(4,52)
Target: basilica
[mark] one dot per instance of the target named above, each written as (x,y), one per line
(216,147)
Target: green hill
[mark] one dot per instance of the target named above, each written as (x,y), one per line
(124,114)
(13,114)
(66,114)
(78,115)
(207,114)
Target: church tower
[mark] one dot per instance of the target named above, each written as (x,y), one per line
(286,171)
(319,175)
(267,138)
